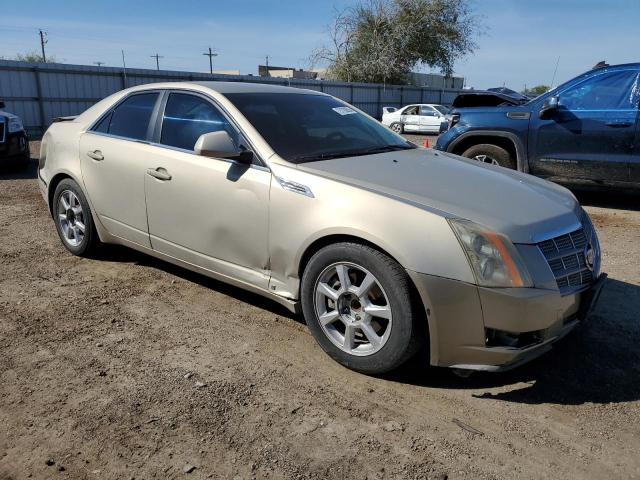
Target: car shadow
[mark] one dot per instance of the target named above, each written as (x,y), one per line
(609,198)
(117,253)
(19,172)
(597,363)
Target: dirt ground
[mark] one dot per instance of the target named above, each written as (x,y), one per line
(128,367)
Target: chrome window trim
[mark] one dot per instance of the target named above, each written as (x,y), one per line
(159,109)
(181,150)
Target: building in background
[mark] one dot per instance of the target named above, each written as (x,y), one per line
(286,72)
(434,80)
(227,72)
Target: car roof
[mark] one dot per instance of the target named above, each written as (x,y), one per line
(250,87)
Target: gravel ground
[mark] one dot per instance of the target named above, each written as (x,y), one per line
(127,367)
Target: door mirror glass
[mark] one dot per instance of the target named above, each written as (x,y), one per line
(220,145)
(549,107)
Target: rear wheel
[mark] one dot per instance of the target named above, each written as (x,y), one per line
(73,219)
(492,154)
(358,305)
(397,127)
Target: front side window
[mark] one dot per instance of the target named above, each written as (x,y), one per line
(306,127)
(442,109)
(615,91)
(131,118)
(187,117)
(427,111)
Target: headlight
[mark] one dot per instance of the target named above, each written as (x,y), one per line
(15,125)
(493,258)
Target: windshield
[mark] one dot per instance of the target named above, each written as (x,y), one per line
(442,109)
(306,127)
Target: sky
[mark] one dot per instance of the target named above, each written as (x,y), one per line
(519,44)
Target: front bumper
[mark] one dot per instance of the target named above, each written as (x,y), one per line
(462,318)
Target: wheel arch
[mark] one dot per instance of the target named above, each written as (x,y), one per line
(507,140)
(331,239)
(53,184)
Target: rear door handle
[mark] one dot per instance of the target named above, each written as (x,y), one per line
(96,155)
(618,124)
(159,173)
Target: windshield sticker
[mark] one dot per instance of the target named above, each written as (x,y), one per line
(344,110)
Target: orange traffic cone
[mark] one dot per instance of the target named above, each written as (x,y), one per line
(425,144)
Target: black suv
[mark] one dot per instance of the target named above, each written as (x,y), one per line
(14,143)
(583,132)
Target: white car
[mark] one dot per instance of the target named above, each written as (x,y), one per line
(418,117)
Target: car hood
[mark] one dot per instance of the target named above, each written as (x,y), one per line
(522,207)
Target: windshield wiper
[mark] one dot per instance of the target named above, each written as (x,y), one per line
(352,153)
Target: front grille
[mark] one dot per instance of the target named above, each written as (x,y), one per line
(565,255)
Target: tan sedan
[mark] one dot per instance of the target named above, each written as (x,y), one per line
(296,195)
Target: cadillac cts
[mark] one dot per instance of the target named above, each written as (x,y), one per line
(295,195)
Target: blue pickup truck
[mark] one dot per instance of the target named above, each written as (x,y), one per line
(585,131)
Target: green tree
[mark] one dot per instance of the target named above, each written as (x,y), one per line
(537,90)
(33,57)
(382,40)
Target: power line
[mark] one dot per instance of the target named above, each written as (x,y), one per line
(42,42)
(157,57)
(210,55)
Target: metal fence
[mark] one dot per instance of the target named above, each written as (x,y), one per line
(40,92)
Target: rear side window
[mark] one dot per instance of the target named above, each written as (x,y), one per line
(186,117)
(131,118)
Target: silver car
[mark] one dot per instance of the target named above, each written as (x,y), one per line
(385,247)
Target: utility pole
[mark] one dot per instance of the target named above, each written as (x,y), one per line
(210,55)
(267,62)
(157,57)
(42,42)
(98,63)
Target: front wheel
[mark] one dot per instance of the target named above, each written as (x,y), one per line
(358,305)
(492,154)
(72,216)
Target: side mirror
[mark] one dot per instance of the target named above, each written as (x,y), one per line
(2,104)
(220,145)
(549,107)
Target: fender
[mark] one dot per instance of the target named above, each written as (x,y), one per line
(521,152)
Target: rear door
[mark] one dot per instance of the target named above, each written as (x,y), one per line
(113,158)
(591,135)
(210,212)
(411,118)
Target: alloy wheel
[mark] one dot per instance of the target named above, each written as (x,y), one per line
(353,309)
(71,218)
(486,159)
(397,128)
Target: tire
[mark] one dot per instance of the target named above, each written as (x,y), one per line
(397,127)
(399,331)
(491,154)
(78,242)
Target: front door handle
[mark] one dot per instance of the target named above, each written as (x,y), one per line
(96,155)
(159,173)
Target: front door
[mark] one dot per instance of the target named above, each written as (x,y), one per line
(208,212)
(429,119)
(112,159)
(591,135)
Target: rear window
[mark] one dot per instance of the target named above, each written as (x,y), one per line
(130,119)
